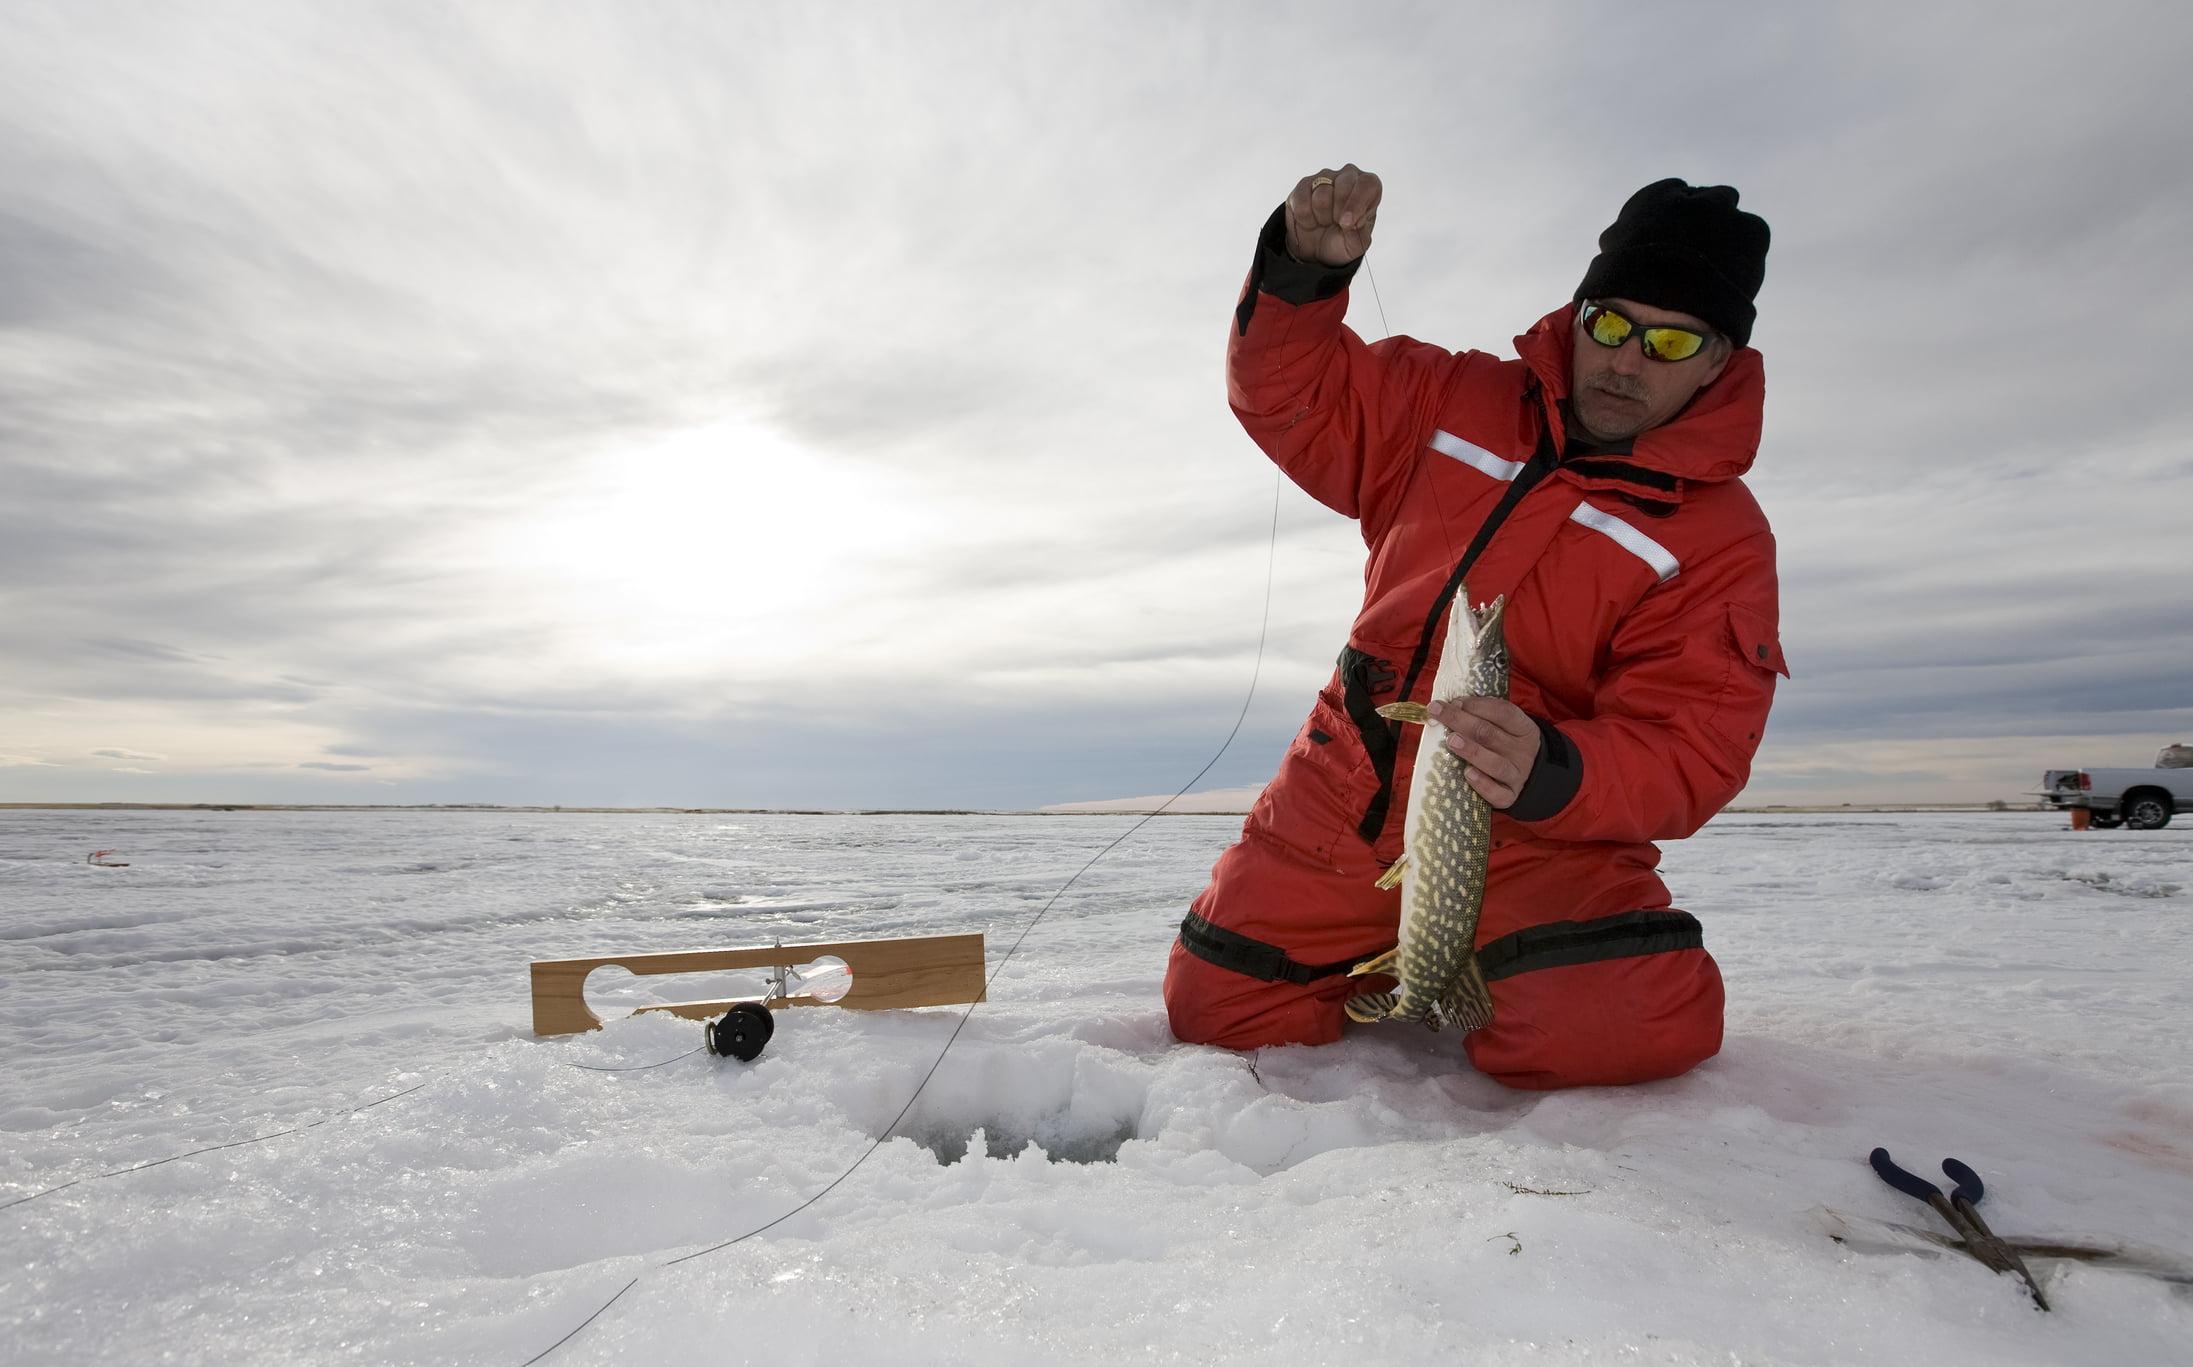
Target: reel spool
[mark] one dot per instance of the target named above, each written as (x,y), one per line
(742,1032)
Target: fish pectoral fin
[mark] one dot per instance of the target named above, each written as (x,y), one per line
(1391,878)
(1384,963)
(1468,1004)
(1405,711)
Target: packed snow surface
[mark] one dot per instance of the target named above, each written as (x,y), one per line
(1072,1186)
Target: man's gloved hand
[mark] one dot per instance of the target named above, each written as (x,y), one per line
(1498,740)
(1330,215)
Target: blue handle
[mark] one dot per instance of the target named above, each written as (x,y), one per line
(1909,1183)
(1969,1186)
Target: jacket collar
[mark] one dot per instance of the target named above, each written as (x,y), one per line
(1715,438)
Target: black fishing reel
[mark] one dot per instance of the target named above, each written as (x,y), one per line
(742,1032)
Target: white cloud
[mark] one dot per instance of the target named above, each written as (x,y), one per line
(449,373)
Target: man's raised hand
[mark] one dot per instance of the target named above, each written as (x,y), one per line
(1330,215)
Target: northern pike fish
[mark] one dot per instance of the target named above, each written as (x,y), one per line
(1444,845)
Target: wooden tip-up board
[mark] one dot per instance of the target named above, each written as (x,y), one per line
(917,970)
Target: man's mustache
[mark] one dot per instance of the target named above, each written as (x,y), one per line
(1621,386)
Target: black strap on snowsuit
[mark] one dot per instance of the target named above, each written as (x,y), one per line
(1557,944)
(1358,671)
(1254,958)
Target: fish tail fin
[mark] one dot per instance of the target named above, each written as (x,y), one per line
(1371,1006)
(1406,711)
(1365,1007)
(1391,878)
(1468,1004)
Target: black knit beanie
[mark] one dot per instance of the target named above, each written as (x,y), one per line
(1686,248)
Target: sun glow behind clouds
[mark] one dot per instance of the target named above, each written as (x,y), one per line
(708,548)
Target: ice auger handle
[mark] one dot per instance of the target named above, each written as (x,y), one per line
(1969,1186)
(1910,1184)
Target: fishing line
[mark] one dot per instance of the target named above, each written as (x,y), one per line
(1382,323)
(300,1129)
(635,1067)
(1446,524)
(214,1148)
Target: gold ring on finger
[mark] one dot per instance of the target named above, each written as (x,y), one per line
(1321,180)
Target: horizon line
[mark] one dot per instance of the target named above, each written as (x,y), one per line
(1061,809)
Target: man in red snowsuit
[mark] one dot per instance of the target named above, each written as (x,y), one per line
(1595,483)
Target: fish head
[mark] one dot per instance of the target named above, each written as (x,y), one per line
(1489,648)
(1485,622)
(1475,660)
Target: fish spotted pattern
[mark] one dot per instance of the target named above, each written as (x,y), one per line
(1445,842)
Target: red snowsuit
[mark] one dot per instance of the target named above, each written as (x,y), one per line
(1642,626)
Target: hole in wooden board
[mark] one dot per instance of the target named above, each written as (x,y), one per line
(827,980)
(613,991)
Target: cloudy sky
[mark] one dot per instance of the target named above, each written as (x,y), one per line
(713,404)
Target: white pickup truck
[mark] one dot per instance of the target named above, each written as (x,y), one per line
(2141,799)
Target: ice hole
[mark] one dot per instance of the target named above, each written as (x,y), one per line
(1055,1137)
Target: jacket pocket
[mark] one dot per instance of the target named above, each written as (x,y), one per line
(1313,804)
(1756,639)
(1747,685)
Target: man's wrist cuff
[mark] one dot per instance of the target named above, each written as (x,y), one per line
(1295,282)
(1554,779)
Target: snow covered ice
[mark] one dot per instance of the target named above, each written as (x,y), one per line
(1073,1186)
